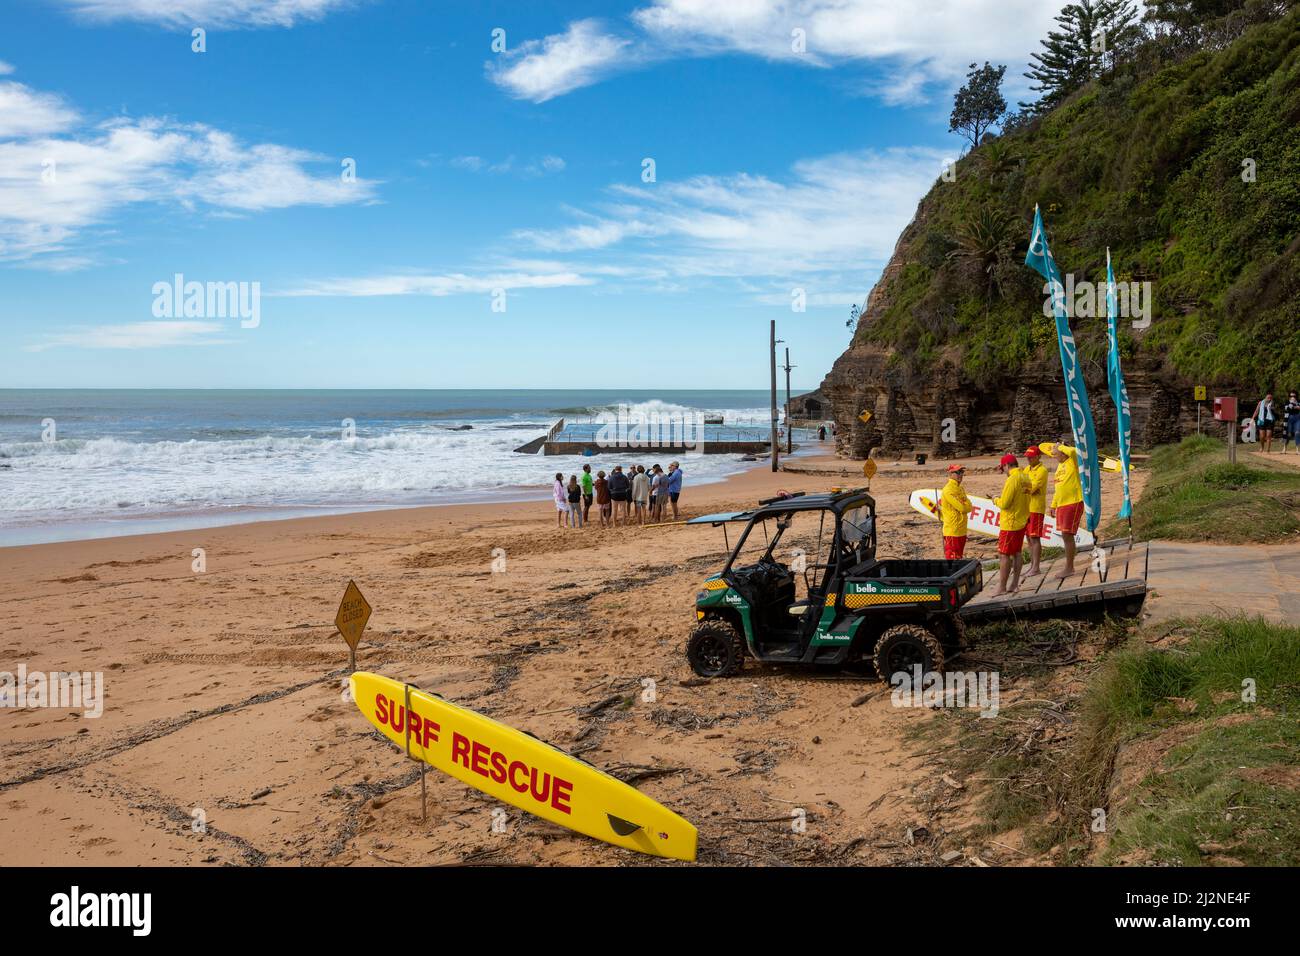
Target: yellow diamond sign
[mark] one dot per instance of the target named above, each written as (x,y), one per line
(354,612)
(864,417)
(869,468)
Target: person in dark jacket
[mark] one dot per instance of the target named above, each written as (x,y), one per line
(1292,412)
(575,502)
(620,488)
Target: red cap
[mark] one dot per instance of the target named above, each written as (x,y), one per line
(1008,459)
(1032,450)
(956,467)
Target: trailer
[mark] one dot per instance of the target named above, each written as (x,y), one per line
(1112,585)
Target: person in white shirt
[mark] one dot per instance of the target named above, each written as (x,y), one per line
(561,495)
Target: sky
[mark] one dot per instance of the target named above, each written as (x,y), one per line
(427,194)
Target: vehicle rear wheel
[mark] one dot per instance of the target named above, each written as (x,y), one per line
(715,649)
(904,646)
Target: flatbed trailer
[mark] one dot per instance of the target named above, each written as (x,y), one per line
(1118,591)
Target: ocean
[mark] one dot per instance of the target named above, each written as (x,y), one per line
(85,463)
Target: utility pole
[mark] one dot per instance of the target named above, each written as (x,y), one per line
(776,446)
(789,429)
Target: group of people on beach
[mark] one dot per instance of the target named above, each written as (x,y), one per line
(1269,417)
(622,497)
(1022,508)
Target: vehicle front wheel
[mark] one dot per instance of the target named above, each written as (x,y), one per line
(715,649)
(904,646)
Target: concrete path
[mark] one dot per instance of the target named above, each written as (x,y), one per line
(1190,579)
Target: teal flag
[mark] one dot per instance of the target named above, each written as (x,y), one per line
(1118,393)
(1039,258)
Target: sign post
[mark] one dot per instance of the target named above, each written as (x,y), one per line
(1225,410)
(1198,393)
(354,612)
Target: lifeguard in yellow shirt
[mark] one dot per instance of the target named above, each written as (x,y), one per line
(1067,499)
(1034,533)
(1013,505)
(954,507)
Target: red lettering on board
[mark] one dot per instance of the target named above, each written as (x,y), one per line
(479,764)
(560,794)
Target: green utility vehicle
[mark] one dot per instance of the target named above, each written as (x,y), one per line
(851,608)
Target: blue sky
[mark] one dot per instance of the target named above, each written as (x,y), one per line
(791,140)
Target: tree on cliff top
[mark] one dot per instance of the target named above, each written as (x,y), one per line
(1093,34)
(979,104)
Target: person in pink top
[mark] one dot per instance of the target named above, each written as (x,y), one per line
(561,495)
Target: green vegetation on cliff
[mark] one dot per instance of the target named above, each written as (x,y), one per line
(1186,164)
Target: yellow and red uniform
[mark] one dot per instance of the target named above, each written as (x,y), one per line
(1013,504)
(1067,496)
(1037,500)
(954,506)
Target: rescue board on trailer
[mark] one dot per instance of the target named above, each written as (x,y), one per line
(521,770)
(984,518)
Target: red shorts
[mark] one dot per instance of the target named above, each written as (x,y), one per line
(1035,527)
(1011,542)
(1067,518)
(954,548)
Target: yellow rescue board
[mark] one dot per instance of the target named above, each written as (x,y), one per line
(521,770)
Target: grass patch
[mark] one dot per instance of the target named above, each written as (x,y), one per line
(1193,750)
(1231,793)
(1194,494)
(1222,788)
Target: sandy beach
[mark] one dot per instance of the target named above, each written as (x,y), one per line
(225,704)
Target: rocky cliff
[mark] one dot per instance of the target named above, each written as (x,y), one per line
(946,413)
(1186,165)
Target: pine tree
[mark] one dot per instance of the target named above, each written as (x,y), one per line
(979,104)
(1093,36)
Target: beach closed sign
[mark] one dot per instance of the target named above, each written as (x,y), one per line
(354,612)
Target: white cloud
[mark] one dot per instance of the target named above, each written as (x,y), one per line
(135,335)
(5,68)
(60,175)
(588,235)
(541,69)
(537,167)
(831,219)
(26,112)
(933,45)
(438,285)
(208,13)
